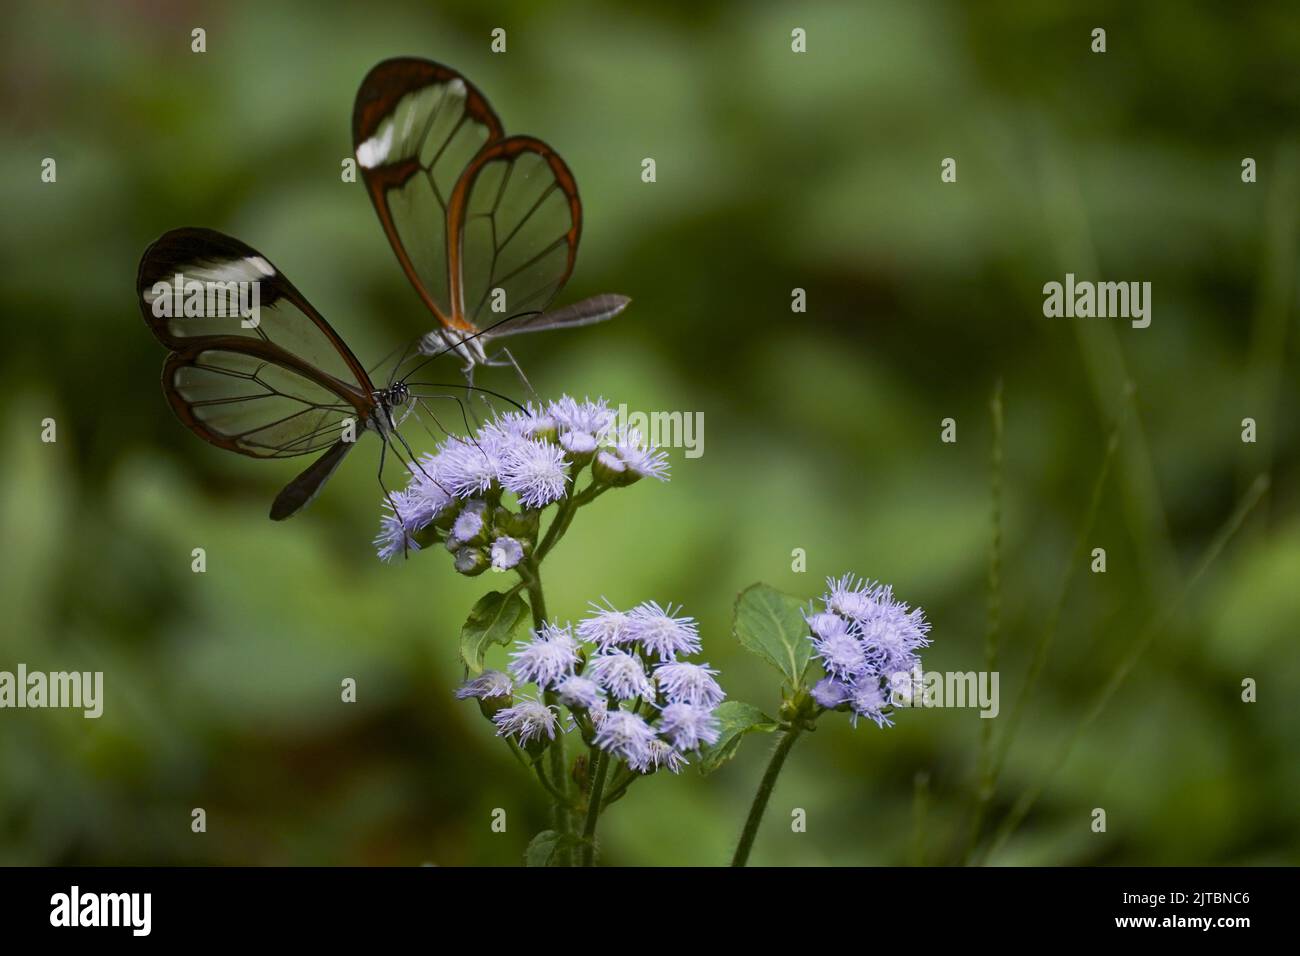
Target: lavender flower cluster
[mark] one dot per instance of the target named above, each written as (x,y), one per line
(620,676)
(863,636)
(458,493)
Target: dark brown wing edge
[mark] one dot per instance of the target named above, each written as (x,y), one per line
(265,351)
(507,149)
(299,493)
(194,244)
(380,91)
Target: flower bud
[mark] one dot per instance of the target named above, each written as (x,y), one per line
(545,431)
(609,469)
(490,706)
(537,746)
(472,562)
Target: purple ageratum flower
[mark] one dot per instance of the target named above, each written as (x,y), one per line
(688,726)
(844,658)
(864,637)
(626,735)
(661,754)
(536,472)
(549,656)
(830,693)
(395,532)
(525,721)
(621,675)
(506,553)
(526,424)
(575,691)
(488,684)
(869,700)
(598,711)
(659,632)
(578,443)
(469,522)
(607,627)
(827,624)
(470,466)
(639,457)
(570,415)
(685,683)
(426,496)
(851,597)
(893,633)
(610,461)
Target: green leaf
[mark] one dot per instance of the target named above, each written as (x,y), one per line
(736,720)
(494,620)
(771,625)
(543,847)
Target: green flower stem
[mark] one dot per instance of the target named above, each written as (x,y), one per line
(619,788)
(560,798)
(593,811)
(559,787)
(564,517)
(765,787)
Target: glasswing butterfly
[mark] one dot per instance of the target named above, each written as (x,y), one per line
(475,218)
(255,369)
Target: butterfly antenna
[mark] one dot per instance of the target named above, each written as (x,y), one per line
(397,367)
(391,352)
(472,388)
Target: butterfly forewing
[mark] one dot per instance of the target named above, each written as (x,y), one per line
(198,284)
(270,381)
(416,126)
(517,214)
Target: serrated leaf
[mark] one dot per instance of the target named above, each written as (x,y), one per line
(735,719)
(494,620)
(543,847)
(771,625)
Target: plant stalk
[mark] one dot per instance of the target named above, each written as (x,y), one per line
(765,787)
(593,810)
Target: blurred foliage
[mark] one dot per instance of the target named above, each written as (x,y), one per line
(775,171)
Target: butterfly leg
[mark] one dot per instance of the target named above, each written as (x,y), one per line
(388,495)
(509,362)
(424,403)
(413,464)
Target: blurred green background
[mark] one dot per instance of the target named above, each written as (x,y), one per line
(775,171)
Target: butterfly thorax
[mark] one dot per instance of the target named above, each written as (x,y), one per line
(390,407)
(468,344)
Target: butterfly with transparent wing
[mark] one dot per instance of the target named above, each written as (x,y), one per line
(483,224)
(274,381)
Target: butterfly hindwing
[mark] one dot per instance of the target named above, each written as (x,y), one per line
(513,227)
(249,399)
